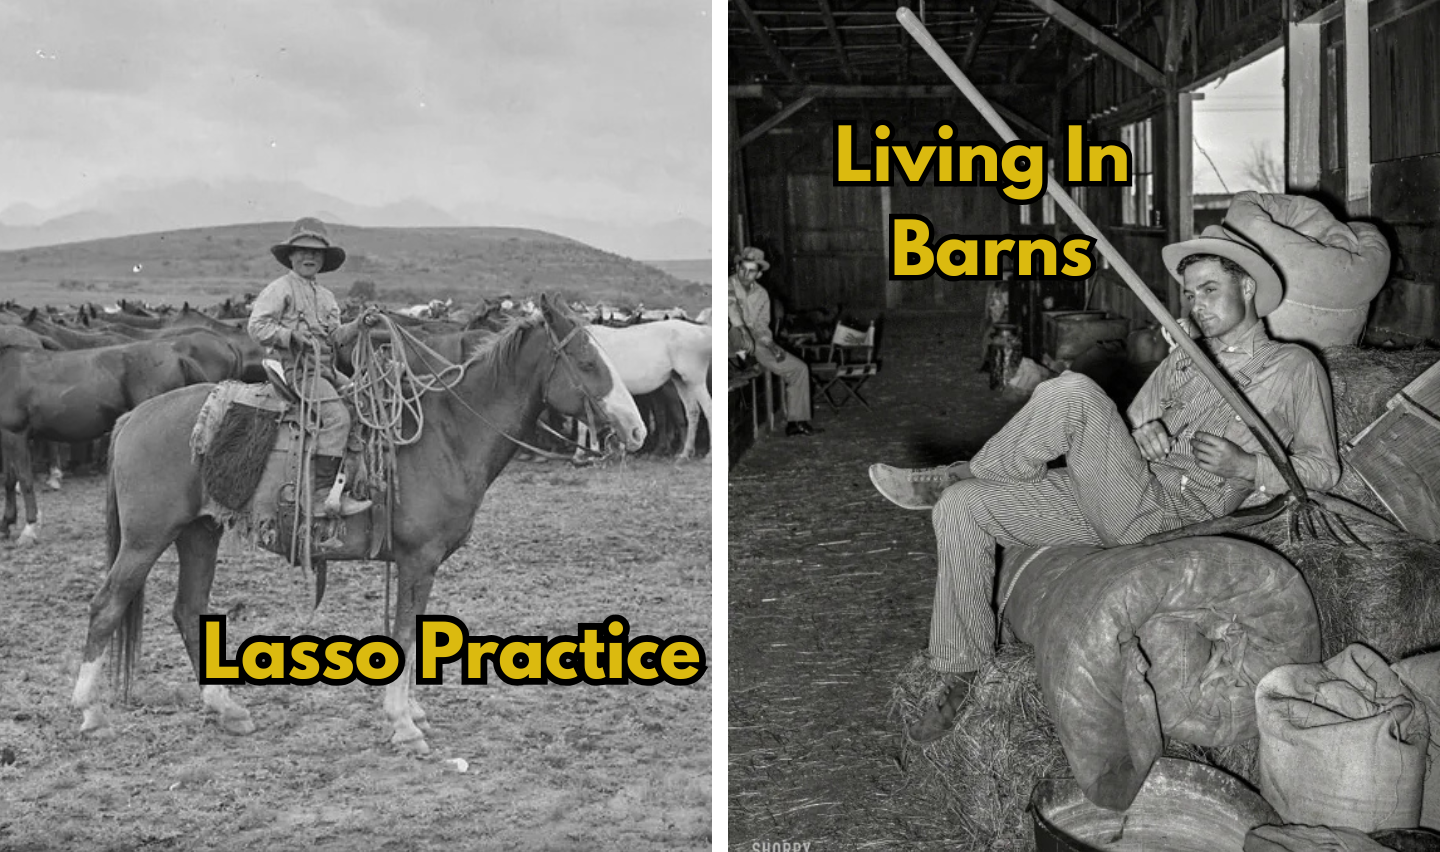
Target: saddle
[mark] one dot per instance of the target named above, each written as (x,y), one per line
(247,442)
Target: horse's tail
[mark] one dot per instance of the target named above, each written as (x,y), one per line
(125,645)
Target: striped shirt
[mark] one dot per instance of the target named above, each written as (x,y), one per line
(1286,385)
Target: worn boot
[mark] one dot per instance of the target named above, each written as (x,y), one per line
(338,505)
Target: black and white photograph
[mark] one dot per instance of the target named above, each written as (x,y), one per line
(1084,408)
(355,408)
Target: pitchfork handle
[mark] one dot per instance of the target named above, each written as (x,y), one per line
(1239,403)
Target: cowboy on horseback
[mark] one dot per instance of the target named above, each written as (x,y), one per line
(294,316)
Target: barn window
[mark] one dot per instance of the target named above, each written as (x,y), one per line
(1138,199)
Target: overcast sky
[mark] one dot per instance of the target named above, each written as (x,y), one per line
(594,110)
(1245,109)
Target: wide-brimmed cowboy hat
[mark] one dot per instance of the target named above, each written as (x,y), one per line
(309,232)
(1227,243)
(754,255)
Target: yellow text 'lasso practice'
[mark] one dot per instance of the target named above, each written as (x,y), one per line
(598,653)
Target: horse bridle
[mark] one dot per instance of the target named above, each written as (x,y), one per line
(593,407)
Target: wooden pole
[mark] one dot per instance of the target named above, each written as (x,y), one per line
(1207,368)
(1112,48)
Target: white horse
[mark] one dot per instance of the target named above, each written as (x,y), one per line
(651,354)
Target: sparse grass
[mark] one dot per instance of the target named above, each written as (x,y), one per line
(550,767)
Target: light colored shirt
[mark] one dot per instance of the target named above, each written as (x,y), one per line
(287,305)
(752,308)
(1287,387)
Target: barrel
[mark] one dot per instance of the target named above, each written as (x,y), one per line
(1184,806)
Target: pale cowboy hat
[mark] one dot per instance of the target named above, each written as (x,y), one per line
(1224,242)
(309,232)
(754,255)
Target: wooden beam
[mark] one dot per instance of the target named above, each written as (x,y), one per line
(987,11)
(774,121)
(904,45)
(835,38)
(1112,48)
(768,95)
(771,49)
(1041,41)
(1020,122)
(739,235)
(1302,107)
(880,92)
(1357,107)
(1186,225)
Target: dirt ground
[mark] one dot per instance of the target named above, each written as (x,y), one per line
(830,592)
(550,767)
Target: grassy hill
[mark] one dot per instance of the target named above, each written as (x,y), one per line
(204,265)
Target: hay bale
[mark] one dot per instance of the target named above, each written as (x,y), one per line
(1387,597)
(1364,379)
(981,775)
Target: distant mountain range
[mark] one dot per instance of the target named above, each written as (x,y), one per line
(399,265)
(124,208)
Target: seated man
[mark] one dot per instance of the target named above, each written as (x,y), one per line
(1188,457)
(750,305)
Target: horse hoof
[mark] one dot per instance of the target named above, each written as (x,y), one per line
(238,725)
(96,726)
(416,747)
(28,537)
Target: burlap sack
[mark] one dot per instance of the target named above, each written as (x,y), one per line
(1331,269)
(1421,675)
(1342,743)
(1134,644)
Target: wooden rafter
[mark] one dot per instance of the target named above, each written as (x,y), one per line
(771,49)
(878,92)
(982,23)
(835,38)
(774,121)
(1042,40)
(1109,46)
(904,46)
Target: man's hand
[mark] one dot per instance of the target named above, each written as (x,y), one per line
(1222,457)
(1153,441)
(302,340)
(779,354)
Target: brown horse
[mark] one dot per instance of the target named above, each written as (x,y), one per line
(72,397)
(156,498)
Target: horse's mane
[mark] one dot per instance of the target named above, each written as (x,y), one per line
(495,361)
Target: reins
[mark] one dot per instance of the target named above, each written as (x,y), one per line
(386,388)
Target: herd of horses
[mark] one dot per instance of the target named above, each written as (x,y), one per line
(142,380)
(66,377)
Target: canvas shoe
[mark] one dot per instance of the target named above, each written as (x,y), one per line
(940,718)
(916,488)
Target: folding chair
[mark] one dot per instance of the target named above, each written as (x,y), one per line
(839,368)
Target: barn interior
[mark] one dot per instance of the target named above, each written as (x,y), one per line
(1362,131)
(831,586)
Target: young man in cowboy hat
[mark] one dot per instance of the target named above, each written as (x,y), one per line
(294,315)
(750,332)
(1184,456)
